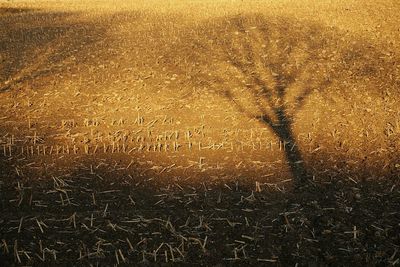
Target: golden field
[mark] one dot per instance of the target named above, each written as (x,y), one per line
(284,110)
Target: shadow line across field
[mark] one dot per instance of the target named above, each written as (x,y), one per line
(88,215)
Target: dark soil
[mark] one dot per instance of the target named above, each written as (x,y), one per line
(92,220)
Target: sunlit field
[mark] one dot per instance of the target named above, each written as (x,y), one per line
(199,133)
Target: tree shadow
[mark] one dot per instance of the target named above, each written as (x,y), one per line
(36,43)
(268,68)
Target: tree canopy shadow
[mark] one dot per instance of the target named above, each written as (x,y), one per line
(268,67)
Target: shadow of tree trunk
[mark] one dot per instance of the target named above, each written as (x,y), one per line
(293,153)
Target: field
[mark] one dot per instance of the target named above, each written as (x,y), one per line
(200,133)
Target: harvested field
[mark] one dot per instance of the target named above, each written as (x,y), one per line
(199,133)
